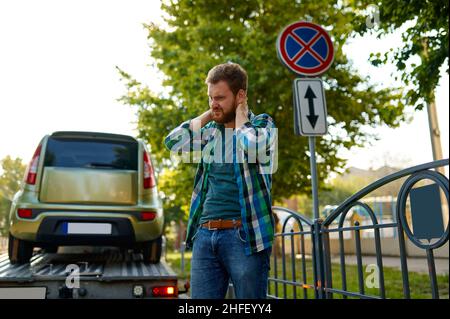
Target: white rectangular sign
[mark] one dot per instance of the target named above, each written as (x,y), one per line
(310,107)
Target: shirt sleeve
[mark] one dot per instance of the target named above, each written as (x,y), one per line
(184,139)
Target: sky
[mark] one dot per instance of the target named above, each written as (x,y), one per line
(410,143)
(57,72)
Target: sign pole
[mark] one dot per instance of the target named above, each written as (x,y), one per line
(306,49)
(312,163)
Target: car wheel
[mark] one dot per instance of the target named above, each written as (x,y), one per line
(151,251)
(19,251)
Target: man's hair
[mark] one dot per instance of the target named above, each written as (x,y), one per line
(232,73)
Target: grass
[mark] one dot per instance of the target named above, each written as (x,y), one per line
(420,287)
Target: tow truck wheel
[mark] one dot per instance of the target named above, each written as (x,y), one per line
(19,251)
(151,251)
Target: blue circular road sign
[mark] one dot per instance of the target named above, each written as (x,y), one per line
(305,48)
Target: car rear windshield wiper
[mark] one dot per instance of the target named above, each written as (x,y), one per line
(101,165)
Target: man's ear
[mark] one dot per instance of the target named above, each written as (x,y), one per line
(241,96)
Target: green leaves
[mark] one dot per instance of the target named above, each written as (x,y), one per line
(12,176)
(204,33)
(426,37)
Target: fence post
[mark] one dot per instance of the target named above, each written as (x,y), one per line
(328,283)
(319,258)
(182,250)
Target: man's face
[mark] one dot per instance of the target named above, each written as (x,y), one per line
(222,102)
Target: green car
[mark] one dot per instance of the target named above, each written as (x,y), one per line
(85,188)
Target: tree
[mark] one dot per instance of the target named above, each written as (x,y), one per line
(200,34)
(10,180)
(426,37)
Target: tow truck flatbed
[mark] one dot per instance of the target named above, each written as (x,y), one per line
(105,275)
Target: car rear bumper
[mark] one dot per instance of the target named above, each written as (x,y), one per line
(47,227)
(55,230)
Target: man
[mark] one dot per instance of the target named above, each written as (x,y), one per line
(231,225)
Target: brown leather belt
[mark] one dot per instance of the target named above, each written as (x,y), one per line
(222,224)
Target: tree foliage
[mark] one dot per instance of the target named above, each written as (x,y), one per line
(10,180)
(200,34)
(426,37)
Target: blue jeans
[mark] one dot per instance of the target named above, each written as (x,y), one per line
(218,256)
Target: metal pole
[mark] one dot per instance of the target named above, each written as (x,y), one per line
(312,162)
(317,222)
(435,133)
(436,147)
(182,249)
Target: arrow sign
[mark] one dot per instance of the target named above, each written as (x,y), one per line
(312,117)
(310,108)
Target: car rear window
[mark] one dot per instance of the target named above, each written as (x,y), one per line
(88,153)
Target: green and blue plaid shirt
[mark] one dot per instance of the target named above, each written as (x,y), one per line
(254,178)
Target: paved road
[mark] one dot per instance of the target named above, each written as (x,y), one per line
(419,265)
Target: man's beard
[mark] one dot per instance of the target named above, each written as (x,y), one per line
(227,117)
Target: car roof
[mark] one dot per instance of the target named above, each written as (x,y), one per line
(80,134)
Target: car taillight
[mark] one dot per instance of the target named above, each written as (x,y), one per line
(148,215)
(25,213)
(164,291)
(149,177)
(33,167)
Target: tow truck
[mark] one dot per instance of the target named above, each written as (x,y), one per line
(102,273)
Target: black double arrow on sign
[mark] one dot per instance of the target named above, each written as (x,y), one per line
(312,117)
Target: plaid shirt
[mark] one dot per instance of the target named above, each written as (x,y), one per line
(253,179)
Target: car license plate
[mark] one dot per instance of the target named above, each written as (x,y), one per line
(23,293)
(88,228)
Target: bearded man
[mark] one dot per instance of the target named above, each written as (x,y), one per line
(231,226)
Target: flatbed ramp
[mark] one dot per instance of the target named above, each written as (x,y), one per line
(106,275)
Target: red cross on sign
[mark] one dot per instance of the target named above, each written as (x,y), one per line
(305,48)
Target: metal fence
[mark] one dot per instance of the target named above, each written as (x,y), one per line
(302,246)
